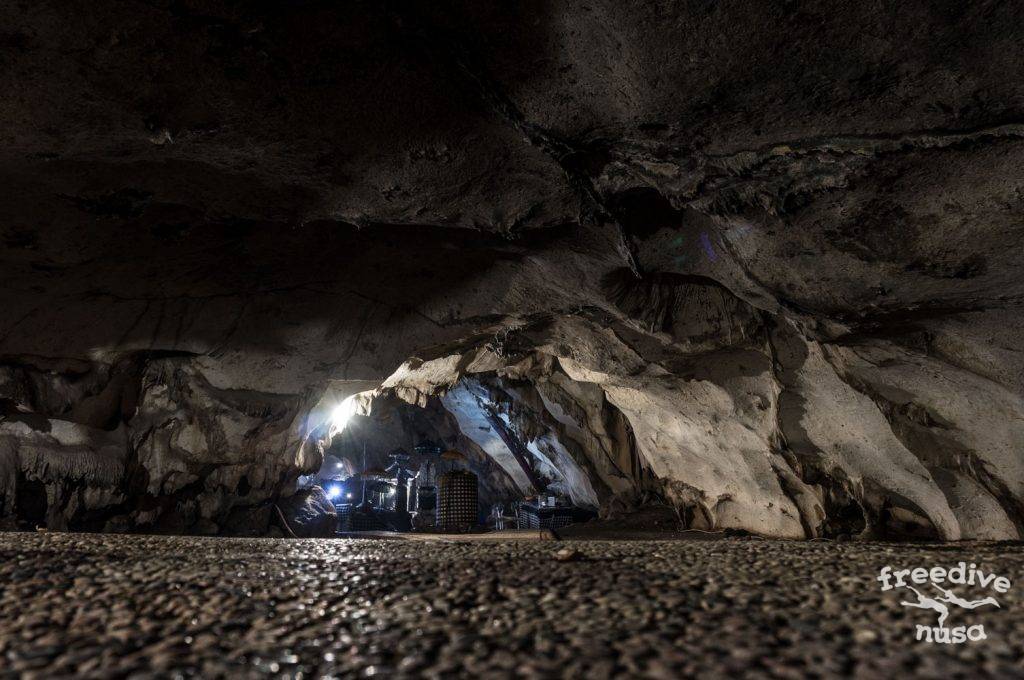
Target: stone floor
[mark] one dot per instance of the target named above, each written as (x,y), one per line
(135,606)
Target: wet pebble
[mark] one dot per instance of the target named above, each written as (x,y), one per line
(138,606)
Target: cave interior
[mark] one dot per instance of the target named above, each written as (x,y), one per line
(651,261)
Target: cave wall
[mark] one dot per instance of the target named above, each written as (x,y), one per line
(756,261)
(149,444)
(778,434)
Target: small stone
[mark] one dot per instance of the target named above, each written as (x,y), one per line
(865,636)
(568,555)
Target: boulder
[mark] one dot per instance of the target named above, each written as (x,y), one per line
(309,513)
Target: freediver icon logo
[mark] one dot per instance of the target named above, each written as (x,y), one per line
(936,579)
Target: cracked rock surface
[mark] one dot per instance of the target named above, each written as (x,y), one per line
(102,606)
(756,261)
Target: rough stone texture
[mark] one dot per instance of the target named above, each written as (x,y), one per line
(758,260)
(310,514)
(59,469)
(100,606)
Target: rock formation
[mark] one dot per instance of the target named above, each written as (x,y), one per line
(759,262)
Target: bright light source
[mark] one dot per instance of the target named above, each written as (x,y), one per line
(334,491)
(348,495)
(343,413)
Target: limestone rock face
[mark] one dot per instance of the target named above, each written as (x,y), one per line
(757,262)
(310,514)
(52,470)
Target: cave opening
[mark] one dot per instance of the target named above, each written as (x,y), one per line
(465,460)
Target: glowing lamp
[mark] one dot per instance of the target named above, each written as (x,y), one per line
(334,491)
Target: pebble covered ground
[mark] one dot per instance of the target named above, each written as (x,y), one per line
(144,606)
